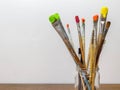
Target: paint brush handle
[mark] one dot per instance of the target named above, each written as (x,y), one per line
(88,59)
(92,63)
(101,41)
(81,44)
(90,50)
(60,29)
(106,28)
(69,35)
(82,52)
(83,33)
(81,84)
(99,50)
(80,39)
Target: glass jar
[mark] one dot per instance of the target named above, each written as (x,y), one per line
(82,79)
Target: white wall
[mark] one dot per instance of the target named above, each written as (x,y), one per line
(32,52)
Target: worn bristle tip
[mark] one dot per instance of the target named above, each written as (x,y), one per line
(77,19)
(83,20)
(95,18)
(54,17)
(108,24)
(104,12)
(67,25)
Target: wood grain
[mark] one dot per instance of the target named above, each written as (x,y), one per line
(52,87)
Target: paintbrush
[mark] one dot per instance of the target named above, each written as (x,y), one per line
(102,41)
(57,24)
(69,35)
(95,25)
(95,22)
(83,34)
(92,55)
(92,63)
(80,39)
(93,52)
(107,28)
(83,42)
(103,17)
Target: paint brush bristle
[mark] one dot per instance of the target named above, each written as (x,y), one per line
(54,17)
(95,18)
(67,25)
(106,28)
(77,19)
(108,25)
(83,20)
(104,12)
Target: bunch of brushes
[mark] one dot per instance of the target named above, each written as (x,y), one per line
(86,71)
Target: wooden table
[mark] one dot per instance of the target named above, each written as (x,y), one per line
(51,87)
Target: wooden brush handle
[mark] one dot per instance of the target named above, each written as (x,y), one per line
(61,31)
(99,50)
(90,48)
(88,60)
(81,44)
(92,67)
(92,62)
(73,54)
(82,51)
